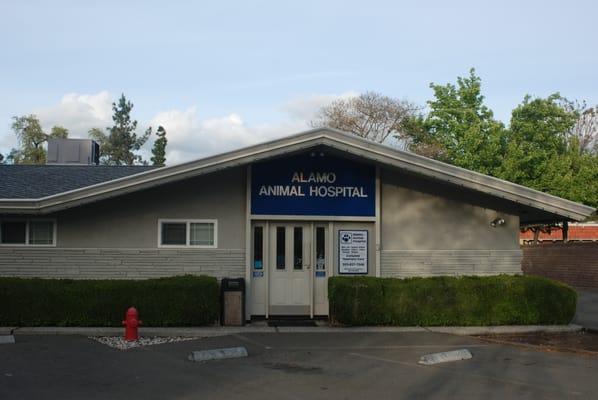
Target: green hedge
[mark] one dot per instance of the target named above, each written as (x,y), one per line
(178,301)
(450,301)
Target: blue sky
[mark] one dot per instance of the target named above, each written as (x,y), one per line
(228,73)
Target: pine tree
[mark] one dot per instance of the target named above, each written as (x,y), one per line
(118,146)
(159,149)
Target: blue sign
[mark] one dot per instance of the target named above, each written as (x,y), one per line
(313,184)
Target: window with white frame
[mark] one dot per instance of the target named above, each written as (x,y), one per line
(187,233)
(22,232)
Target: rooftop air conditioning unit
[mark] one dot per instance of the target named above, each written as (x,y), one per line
(73,152)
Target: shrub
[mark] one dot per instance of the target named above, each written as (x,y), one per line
(450,301)
(177,301)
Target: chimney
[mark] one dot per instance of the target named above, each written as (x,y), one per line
(73,152)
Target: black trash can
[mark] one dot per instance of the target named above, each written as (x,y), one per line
(232,300)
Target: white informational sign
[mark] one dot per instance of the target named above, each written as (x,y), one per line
(353,252)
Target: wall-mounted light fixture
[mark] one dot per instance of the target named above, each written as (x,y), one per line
(497,222)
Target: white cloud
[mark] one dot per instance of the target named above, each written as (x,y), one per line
(190,135)
(78,113)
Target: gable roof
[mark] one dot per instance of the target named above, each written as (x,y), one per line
(38,181)
(341,141)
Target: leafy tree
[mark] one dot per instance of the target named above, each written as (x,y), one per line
(550,144)
(159,149)
(544,153)
(59,132)
(459,129)
(369,115)
(12,156)
(118,145)
(31,138)
(586,128)
(1,158)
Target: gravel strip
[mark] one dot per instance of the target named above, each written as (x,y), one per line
(118,342)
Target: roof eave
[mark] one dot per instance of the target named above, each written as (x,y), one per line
(341,141)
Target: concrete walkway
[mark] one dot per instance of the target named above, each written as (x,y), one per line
(261,327)
(587,309)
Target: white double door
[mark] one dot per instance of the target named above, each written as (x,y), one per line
(290,272)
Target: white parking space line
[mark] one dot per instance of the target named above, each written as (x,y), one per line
(399,347)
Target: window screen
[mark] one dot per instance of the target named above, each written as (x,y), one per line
(41,232)
(174,233)
(13,232)
(280,247)
(298,247)
(202,234)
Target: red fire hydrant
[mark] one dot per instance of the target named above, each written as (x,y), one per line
(131,324)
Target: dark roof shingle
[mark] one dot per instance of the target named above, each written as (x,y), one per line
(37,181)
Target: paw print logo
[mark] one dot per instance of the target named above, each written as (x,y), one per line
(346,238)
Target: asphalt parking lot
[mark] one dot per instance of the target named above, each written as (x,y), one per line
(291,366)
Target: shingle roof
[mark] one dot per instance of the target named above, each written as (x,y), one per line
(37,181)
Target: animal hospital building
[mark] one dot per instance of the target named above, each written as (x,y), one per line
(284,215)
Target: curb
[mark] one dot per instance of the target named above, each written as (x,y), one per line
(539,347)
(485,330)
(224,331)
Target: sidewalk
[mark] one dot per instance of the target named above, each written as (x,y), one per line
(261,327)
(587,309)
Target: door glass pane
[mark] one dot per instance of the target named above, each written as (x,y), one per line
(320,248)
(13,232)
(174,233)
(298,247)
(41,232)
(258,248)
(202,234)
(280,247)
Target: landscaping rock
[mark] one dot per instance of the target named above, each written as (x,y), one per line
(118,342)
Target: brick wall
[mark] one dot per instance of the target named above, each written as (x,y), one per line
(573,263)
(577,232)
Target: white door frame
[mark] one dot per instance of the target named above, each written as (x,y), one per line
(290,275)
(260,287)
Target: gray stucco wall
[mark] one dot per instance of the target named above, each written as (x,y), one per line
(429,230)
(118,238)
(426,229)
(131,221)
